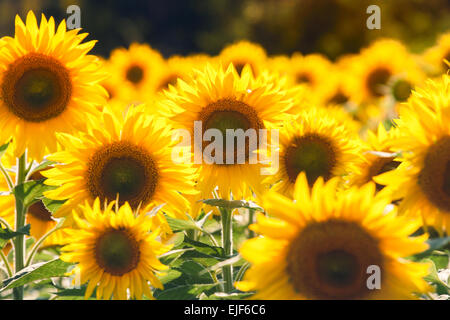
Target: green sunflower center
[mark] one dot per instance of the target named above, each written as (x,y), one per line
(36,87)
(434,178)
(123,176)
(125,170)
(228,114)
(135,74)
(376,80)
(401,90)
(330,259)
(312,154)
(117,252)
(337,268)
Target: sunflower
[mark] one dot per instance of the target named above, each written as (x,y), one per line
(423,177)
(223,100)
(115,252)
(48,84)
(436,55)
(321,246)
(311,70)
(376,65)
(129,158)
(379,157)
(242,53)
(317,144)
(137,67)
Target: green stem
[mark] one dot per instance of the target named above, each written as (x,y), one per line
(38,244)
(19,240)
(251,220)
(227,244)
(5,261)
(192,234)
(7,177)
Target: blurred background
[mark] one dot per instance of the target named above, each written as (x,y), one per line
(332,27)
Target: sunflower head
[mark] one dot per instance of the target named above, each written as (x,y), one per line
(317,144)
(322,245)
(48,84)
(224,101)
(423,178)
(244,53)
(115,251)
(130,159)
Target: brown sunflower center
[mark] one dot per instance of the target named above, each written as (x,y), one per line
(123,169)
(329,260)
(401,90)
(117,252)
(36,87)
(313,154)
(228,114)
(135,74)
(434,178)
(376,80)
(303,77)
(338,98)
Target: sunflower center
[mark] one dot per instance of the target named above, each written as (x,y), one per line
(401,90)
(312,154)
(338,98)
(117,252)
(228,114)
(337,268)
(135,74)
(36,87)
(122,169)
(434,178)
(329,260)
(376,80)
(303,78)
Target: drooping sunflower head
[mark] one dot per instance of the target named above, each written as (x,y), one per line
(221,103)
(376,65)
(48,84)
(129,159)
(138,67)
(379,156)
(315,143)
(423,177)
(243,53)
(115,252)
(326,244)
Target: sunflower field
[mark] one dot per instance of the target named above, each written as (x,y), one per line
(239,175)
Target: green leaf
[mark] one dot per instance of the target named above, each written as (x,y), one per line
(438,243)
(232,204)
(52,205)
(206,249)
(441,287)
(196,273)
(3,149)
(38,271)
(170,276)
(43,165)
(184,292)
(7,234)
(179,224)
(31,191)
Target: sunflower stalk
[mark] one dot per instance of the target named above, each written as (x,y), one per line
(19,241)
(227,244)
